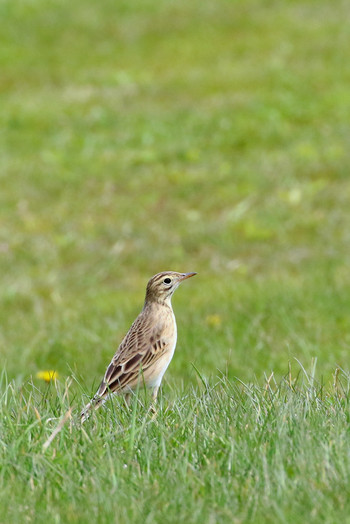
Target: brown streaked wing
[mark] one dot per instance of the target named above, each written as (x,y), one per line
(112,373)
(127,379)
(133,362)
(137,339)
(120,379)
(142,346)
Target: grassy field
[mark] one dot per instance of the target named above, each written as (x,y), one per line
(225,452)
(192,136)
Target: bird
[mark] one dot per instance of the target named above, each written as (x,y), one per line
(145,352)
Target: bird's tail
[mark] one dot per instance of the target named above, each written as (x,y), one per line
(95,403)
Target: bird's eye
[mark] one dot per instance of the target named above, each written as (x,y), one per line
(167,281)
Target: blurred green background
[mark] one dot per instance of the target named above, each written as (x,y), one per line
(193,136)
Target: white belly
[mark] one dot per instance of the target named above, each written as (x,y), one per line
(163,363)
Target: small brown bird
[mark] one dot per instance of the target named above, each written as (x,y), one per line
(147,349)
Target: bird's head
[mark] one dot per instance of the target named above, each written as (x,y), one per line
(161,287)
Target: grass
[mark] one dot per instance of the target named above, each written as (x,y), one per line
(193,136)
(228,452)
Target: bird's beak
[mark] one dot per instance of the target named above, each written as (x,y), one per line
(186,275)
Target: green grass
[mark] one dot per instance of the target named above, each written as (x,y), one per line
(225,452)
(192,136)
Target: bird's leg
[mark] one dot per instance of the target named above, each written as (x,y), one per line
(127,398)
(153,408)
(155,394)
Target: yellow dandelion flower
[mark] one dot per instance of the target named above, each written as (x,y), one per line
(48,376)
(213,320)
